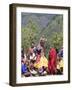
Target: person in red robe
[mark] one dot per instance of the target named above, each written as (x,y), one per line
(52,61)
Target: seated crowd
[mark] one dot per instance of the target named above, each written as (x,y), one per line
(34,63)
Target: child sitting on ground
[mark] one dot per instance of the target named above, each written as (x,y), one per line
(59,65)
(24,68)
(32,68)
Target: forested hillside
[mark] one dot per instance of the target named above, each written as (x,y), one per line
(33,26)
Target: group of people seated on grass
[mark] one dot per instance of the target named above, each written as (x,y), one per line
(34,63)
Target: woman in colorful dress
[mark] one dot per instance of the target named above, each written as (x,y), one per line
(41,62)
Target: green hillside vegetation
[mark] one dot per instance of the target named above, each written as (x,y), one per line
(53,31)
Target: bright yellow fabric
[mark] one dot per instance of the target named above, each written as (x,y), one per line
(43,62)
(60,64)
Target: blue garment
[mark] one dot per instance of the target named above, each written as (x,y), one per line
(24,68)
(61,53)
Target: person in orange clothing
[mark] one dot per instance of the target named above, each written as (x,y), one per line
(52,61)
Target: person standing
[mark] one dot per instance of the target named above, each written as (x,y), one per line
(52,61)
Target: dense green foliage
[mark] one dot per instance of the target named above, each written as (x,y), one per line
(53,32)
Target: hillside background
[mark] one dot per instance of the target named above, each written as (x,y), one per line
(34,25)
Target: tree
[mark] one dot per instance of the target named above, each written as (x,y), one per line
(29,34)
(57,40)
